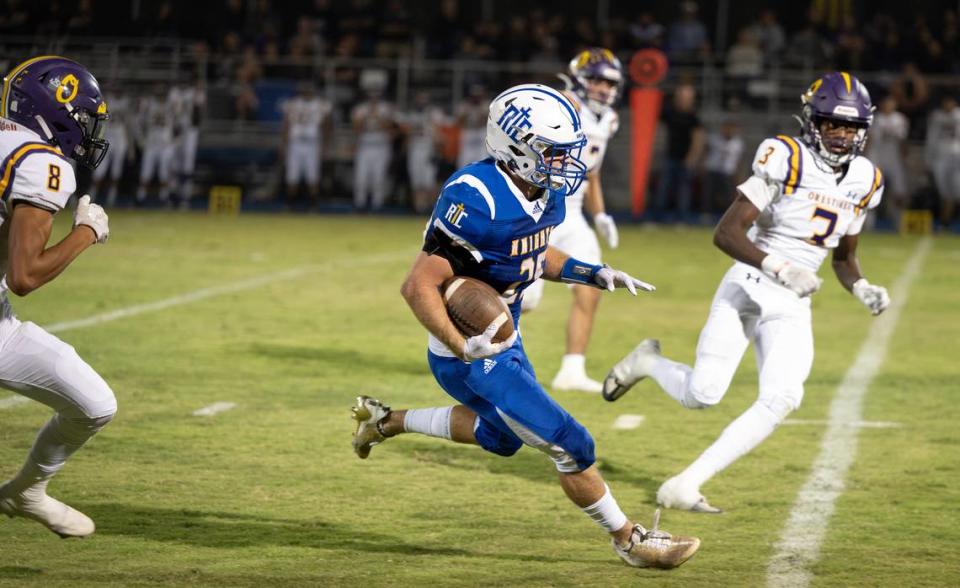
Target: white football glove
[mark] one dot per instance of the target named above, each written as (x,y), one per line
(482,345)
(93,216)
(802,281)
(604,224)
(610,278)
(873,297)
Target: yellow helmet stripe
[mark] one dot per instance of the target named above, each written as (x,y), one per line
(846,81)
(13,75)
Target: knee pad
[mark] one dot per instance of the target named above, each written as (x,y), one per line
(699,398)
(780,405)
(570,447)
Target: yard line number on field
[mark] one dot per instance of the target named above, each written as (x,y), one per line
(799,544)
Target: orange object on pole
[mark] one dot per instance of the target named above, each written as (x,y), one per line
(647,67)
(644,114)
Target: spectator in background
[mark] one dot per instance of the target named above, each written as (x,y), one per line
(305,43)
(912,93)
(373,125)
(808,48)
(687,38)
(304,118)
(421,126)
(472,116)
(744,60)
(685,143)
(724,150)
(769,35)
(886,148)
(943,155)
(646,31)
(15,18)
(396,30)
(82,21)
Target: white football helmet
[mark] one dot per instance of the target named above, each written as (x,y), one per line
(536,132)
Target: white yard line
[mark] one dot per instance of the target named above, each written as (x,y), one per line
(215,408)
(628,421)
(213,291)
(13,401)
(799,545)
(861,424)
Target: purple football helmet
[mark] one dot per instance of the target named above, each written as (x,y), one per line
(61,101)
(596,64)
(838,97)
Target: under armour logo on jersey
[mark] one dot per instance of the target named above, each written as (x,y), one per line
(455,214)
(750,276)
(513,120)
(488,365)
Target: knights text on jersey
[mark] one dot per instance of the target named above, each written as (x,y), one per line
(31,170)
(804,206)
(485,227)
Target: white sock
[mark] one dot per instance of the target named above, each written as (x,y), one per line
(575,362)
(738,439)
(606,512)
(57,441)
(434,422)
(672,377)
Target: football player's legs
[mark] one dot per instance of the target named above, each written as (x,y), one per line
(38,365)
(582,245)
(380,167)
(361,176)
(312,169)
(722,342)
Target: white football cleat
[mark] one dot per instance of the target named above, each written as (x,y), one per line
(581,382)
(656,548)
(675,494)
(368,412)
(631,369)
(49,512)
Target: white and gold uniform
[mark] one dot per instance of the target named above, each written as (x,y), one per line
(32,361)
(574,236)
(304,118)
(805,209)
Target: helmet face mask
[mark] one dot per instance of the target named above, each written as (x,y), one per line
(535,132)
(832,106)
(61,101)
(589,71)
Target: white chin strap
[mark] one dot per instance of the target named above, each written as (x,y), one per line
(43,125)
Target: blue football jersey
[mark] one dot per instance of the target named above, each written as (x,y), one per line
(487,229)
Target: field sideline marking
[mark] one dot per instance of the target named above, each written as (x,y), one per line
(215,408)
(13,401)
(799,544)
(211,292)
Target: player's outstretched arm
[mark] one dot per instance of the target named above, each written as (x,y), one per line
(560,267)
(847,267)
(32,264)
(421,290)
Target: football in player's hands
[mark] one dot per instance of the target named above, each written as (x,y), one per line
(473,306)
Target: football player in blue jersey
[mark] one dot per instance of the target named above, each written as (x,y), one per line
(493,222)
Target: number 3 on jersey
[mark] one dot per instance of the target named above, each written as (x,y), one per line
(831,218)
(53,179)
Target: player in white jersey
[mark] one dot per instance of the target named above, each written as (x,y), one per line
(187,103)
(304,117)
(107,174)
(155,136)
(421,125)
(943,155)
(888,136)
(374,124)
(51,110)
(471,115)
(596,78)
(806,197)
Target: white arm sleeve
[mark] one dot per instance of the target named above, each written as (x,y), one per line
(43,179)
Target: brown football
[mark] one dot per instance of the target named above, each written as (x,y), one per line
(473,305)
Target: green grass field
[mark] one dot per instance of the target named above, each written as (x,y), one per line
(270,493)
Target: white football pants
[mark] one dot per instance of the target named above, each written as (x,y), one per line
(370,175)
(303,163)
(40,366)
(747,306)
